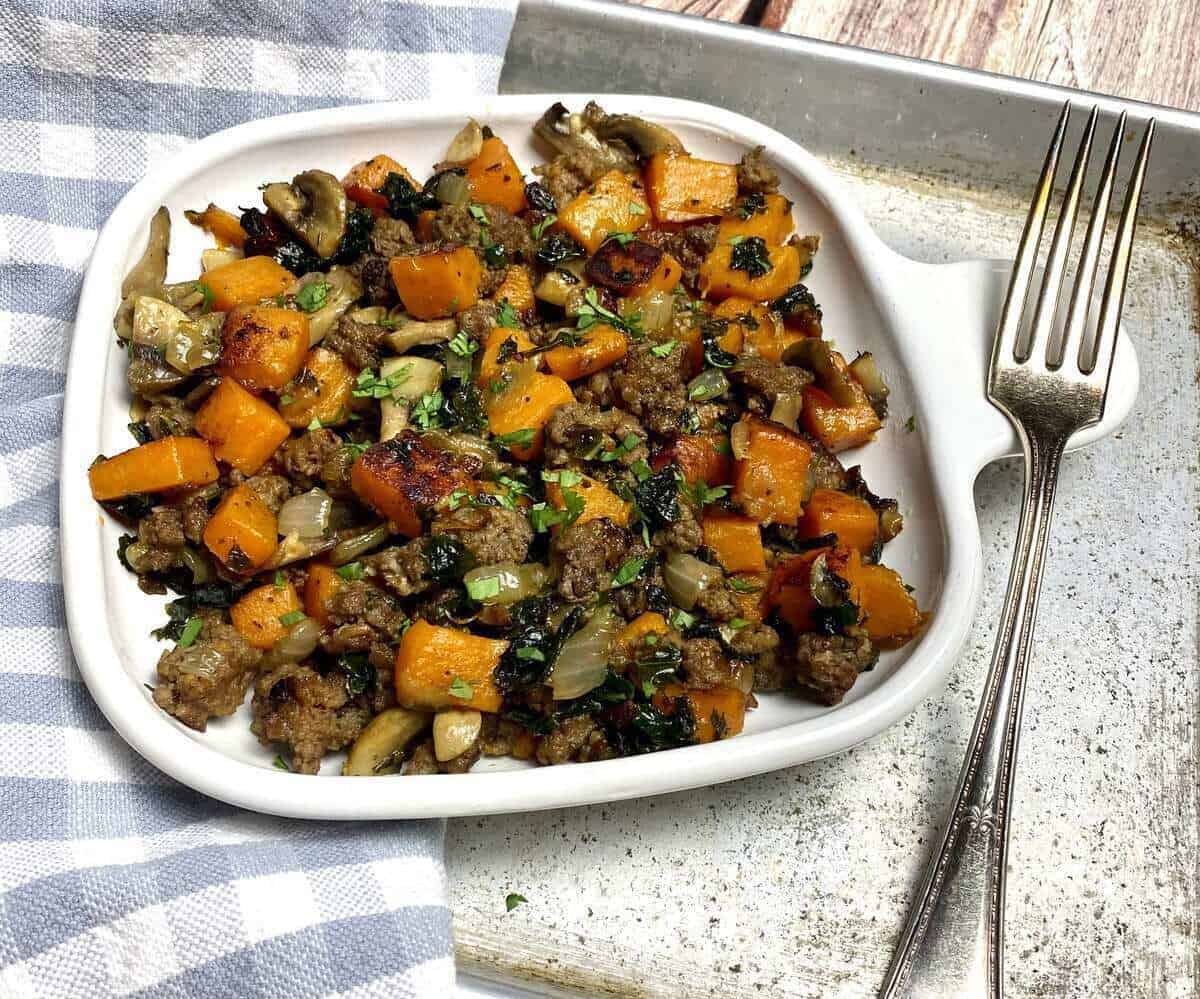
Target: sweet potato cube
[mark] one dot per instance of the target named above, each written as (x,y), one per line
(438,283)
(769,482)
(720,713)
(852,519)
(489,359)
(772,222)
(246,282)
(257,615)
(762,329)
(600,347)
(666,277)
(169,463)
(224,226)
(719,278)
(598,501)
(403,479)
(263,346)
(838,427)
(631,638)
(321,391)
(611,204)
(244,431)
(322,583)
(701,458)
(684,188)
(735,540)
(440,667)
(885,607)
(372,173)
(516,288)
(790,588)
(495,178)
(731,340)
(527,405)
(242,531)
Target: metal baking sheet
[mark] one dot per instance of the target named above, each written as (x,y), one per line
(797,883)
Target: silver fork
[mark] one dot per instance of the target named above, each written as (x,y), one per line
(1050,379)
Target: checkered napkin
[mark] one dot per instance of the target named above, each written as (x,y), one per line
(115,880)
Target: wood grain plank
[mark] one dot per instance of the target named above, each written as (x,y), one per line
(1144,49)
(720,10)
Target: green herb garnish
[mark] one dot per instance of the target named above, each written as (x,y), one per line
(368,385)
(313,296)
(462,345)
(351,571)
(517,438)
(542,226)
(506,316)
(481,589)
(664,349)
(426,413)
(190,632)
(512,900)
(629,571)
(750,254)
(291,617)
(461,689)
(593,312)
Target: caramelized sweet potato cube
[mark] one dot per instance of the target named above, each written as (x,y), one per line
(437,283)
(720,713)
(600,347)
(611,204)
(493,346)
(403,479)
(224,226)
(631,638)
(242,532)
(257,615)
(886,608)
(770,481)
(169,463)
(852,519)
(686,188)
(321,391)
(598,501)
(720,277)
(440,667)
(526,405)
(838,427)
(761,328)
(516,288)
(735,540)
(322,583)
(244,430)
(701,458)
(246,282)
(495,178)
(666,277)
(772,222)
(263,346)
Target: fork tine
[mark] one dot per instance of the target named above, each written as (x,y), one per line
(1031,237)
(1054,274)
(1118,269)
(1089,258)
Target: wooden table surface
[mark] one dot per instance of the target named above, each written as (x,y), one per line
(1141,49)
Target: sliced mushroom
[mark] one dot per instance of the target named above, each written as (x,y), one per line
(421,375)
(642,136)
(411,332)
(313,206)
(379,748)
(455,731)
(148,275)
(570,135)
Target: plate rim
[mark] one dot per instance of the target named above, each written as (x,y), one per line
(161,740)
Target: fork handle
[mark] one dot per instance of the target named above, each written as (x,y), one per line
(953,942)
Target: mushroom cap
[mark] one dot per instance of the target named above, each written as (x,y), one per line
(313,206)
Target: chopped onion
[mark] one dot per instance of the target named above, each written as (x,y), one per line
(293,548)
(453,189)
(505,582)
(455,732)
(582,663)
(349,549)
(708,385)
(186,344)
(306,515)
(211,259)
(686,577)
(867,372)
(739,439)
(656,308)
(556,287)
(466,446)
(299,642)
(466,144)
(787,409)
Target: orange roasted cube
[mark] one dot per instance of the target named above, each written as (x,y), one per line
(612,204)
(684,188)
(600,347)
(701,458)
(495,178)
(838,427)
(260,615)
(437,283)
(524,408)
(631,638)
(852,519)
(720,713)
(489,359)
(224,226)
(263,346)
(886,608)
(769,218)
(770,481)
(598,500)
(321,391)
(750,269)
(244,430)
(763,330)
(666,277)
(735,540)
(246,282)
(516,289)
(242,531)
(169,463)
(403,479)
(322,583)
(440,667)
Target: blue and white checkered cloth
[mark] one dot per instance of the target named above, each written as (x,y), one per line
(114,880)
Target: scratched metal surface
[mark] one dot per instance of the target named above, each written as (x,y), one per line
(796,883)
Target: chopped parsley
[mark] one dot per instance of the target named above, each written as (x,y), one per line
(506,316)
(313,296)
(351,571)
(664,349)
(622,238)
(512,900)
(517,438)
(593,312)
(531,653)
(280,579)
(316,424)
(478,214)
(482,589)
(738,623)
(190,632)
(462,345)
(280,763)
(637,208)
(743,586)
(461,689)
(641,469)
(631,442)
(542,226)
(427,412)
(750,254)
(681,620)
(737,240)
(207,293)
(910,424)
(566,478)
(371,386)
(629,571)
(356,449)
(702,494)
(291,617)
